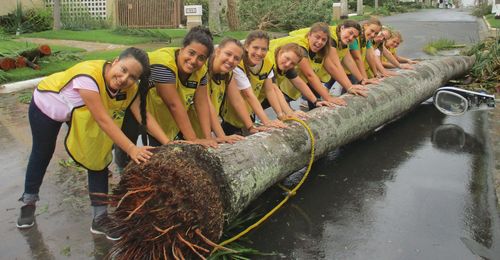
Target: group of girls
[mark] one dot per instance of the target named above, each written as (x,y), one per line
(197,93)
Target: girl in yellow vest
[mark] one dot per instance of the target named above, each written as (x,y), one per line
(337,55)
(313,69)
(391,45)
(285,58)
(91,97)
(253,78)
(220,79)
(178,82)
(380,51)
(362,50)
(340,63)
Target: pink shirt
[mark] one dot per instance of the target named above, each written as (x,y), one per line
(58,106)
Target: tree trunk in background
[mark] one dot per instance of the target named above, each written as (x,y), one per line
(376,4)
(344,9)
(359,7)
(214,16)
(232,15)
(57,15)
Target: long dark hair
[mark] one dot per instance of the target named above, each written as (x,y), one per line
(142,57)
(322,27)
(201,35)
(252,36)
(347,24)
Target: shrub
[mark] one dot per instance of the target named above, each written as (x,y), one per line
(481,10)
(79,18)
(31,20)
(283,15)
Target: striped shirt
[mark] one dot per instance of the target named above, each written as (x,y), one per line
(163,75)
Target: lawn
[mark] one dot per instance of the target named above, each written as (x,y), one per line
(104,35)
(494,23)
(125,37)
(67,56)
(9,46)
(63,58)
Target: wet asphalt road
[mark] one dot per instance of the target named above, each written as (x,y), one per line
(416,189)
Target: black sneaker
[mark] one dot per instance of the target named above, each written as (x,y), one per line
(103,225)
(27,217)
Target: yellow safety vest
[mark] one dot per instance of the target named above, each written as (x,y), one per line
(362,47)
(86,142)
(257,82)
(217,93)
(166,57)
(392,51)
(316,64)
(333,34)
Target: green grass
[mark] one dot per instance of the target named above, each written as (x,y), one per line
(64,58)
(9,46)
(69,56)
(433,47)
(103,35)
(109,36)
(494,23)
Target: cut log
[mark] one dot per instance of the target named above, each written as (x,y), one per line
(237,174)
(7,63)
(36,53)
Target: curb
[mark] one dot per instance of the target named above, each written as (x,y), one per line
(488,25)
(20,85)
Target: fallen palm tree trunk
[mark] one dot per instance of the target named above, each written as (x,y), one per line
(177,203)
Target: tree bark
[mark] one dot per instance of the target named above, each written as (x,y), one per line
(214,16)
(376,4)
(344,9)
(249,167)
(359,9)
(232,15)
(56,15)
(187,187)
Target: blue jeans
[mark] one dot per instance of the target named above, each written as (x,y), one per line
(44,131)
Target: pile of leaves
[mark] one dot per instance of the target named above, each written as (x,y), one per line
(484,74)
(283,15)
(25,21)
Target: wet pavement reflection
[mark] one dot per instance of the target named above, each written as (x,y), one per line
(416,189)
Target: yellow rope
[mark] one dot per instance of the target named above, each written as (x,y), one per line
(290,193)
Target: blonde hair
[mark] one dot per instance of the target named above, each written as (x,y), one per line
(293,47)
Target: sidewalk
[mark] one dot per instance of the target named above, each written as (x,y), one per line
(488,31)
(88,46)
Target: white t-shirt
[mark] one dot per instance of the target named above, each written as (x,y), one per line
(242,80)
(58,106)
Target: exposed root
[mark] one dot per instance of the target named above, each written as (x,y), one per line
(187,243)
(163,231)
(211,243)
(140,206)
(165,255)
(173,193)
(179,252)
(174,251)
(133,192)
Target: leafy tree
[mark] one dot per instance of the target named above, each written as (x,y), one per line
(283,14)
